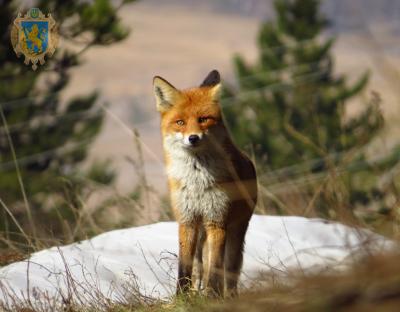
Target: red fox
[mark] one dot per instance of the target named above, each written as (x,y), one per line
(213,185)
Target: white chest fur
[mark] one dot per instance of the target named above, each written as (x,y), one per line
(199,194)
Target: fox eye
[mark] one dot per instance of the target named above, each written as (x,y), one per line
(203,119)
(180,122)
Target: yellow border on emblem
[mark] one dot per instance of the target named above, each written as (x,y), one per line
(17,42)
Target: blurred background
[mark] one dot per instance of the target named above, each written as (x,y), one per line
(311,93)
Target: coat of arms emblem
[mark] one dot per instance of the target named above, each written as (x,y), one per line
(34,36)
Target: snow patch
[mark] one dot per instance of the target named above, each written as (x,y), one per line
(116,264)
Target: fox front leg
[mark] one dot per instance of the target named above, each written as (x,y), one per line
(216,237)
(198,266)
(187,245)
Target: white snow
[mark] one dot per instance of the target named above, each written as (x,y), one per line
(112,265)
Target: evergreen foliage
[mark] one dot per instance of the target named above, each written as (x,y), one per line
(50,137)
(289,109)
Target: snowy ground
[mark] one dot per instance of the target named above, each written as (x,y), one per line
(142,261)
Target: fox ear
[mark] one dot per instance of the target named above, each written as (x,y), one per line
(212,79)
(215,92)
(166,94)
(213,82)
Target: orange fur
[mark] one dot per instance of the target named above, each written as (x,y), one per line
(195,103)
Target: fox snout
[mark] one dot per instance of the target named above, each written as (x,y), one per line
(193,139)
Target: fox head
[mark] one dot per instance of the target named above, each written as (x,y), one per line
(190,119)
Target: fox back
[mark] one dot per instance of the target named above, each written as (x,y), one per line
(211,181)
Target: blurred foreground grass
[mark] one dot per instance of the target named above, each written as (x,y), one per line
(371,284)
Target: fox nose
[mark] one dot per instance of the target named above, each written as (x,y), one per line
(193,138)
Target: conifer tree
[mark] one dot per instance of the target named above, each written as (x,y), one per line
(289,108)
(49,137)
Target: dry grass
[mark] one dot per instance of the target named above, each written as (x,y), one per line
(9,256)
(372,284)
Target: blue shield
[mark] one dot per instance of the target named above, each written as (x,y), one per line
(36,35)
